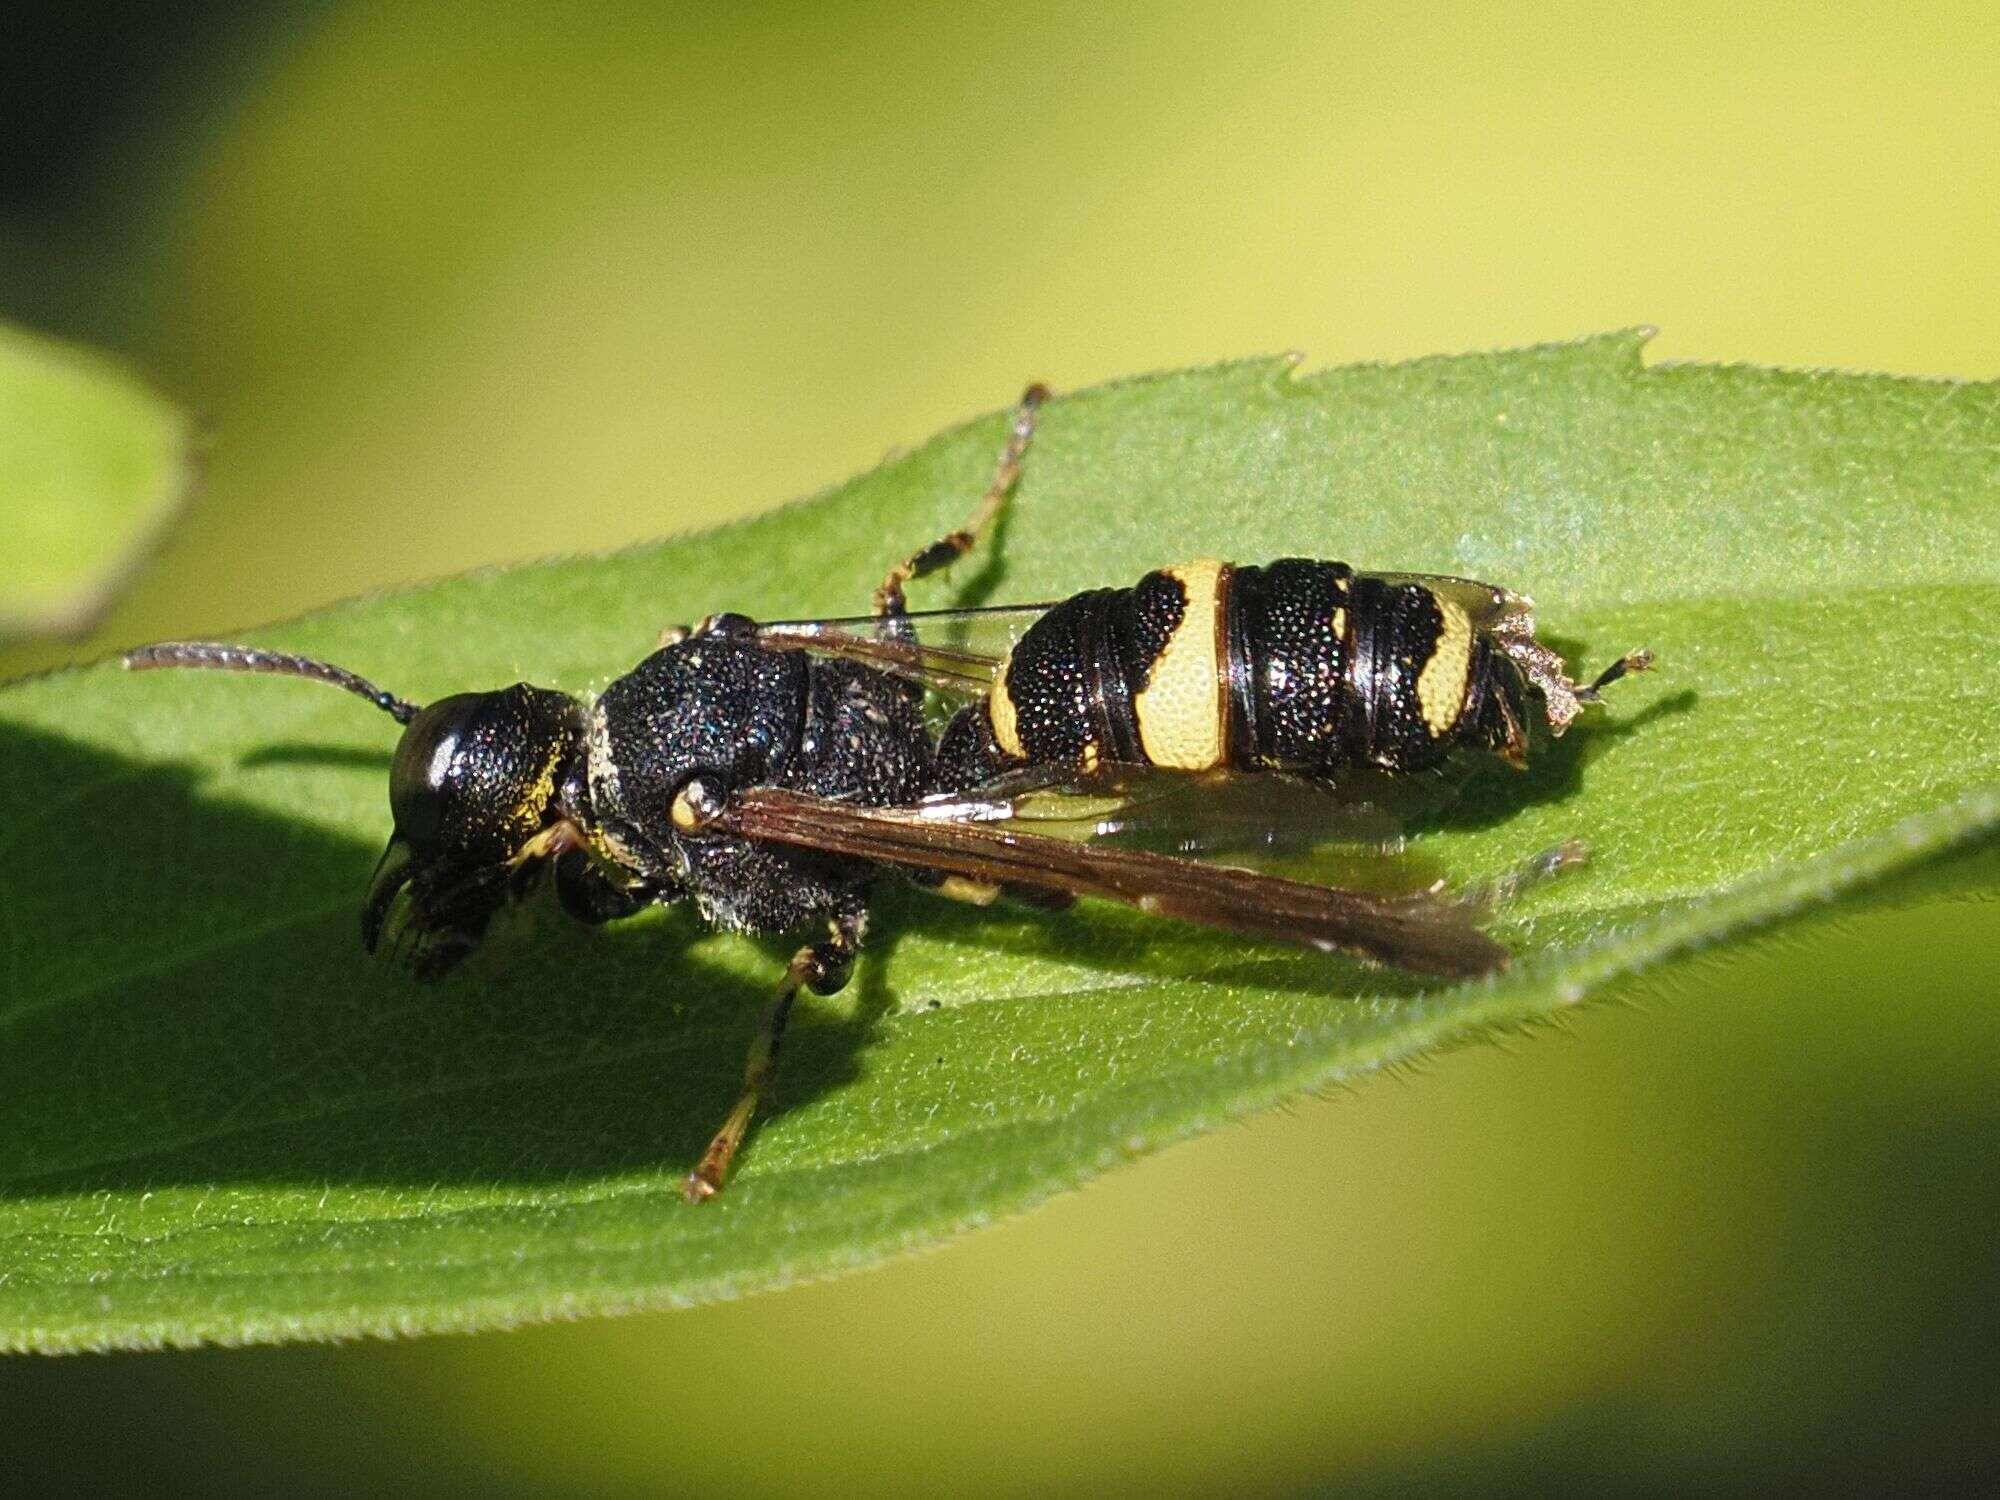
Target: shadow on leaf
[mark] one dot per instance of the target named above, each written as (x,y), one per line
(187,1001)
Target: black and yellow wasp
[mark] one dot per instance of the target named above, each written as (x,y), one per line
(773,774)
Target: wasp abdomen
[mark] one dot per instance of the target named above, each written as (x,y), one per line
(1299,665)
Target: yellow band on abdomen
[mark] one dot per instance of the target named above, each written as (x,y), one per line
(1006,725)
(1182,710)
(1441,684)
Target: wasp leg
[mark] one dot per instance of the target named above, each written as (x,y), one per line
(948,549)
(592,897)
(822,967)
(1491,895)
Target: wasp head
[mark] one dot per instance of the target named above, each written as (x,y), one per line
(477,779)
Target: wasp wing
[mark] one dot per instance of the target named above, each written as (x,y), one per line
(1486,605)
(1424,931)
(955,651)
(1255,816)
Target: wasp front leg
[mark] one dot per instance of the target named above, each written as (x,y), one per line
(821,967)
(948,549)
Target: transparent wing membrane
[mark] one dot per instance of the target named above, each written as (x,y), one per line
(1205,813)
(954,651)
(1486,605)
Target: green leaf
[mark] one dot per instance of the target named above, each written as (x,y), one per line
(218,1121)
(94,465)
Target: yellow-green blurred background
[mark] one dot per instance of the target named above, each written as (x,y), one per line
(454,284)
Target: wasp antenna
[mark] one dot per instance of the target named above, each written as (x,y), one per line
(224,658)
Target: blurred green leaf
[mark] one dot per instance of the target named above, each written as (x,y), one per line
(94,465)
(218,1121)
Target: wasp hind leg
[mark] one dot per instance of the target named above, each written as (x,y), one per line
(948,549)
(1491,895)
(821,967)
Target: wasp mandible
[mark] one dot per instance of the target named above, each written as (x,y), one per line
(774,774)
